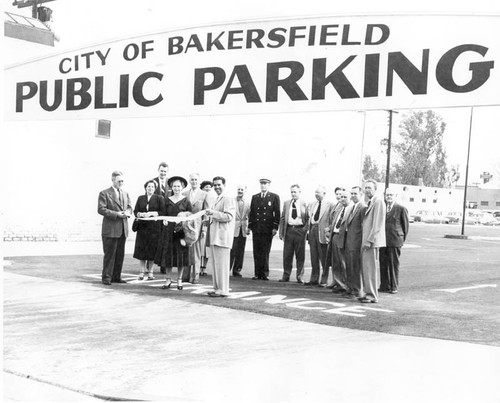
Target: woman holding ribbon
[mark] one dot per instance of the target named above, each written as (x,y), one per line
(148,232)
(171,251)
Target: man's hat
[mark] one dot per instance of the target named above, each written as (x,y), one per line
(264,180)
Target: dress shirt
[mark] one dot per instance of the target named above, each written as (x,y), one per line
(336,227)
(313,221)
(298,219)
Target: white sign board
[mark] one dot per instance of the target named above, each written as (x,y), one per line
(273,66)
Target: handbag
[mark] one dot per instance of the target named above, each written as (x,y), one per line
(135,225)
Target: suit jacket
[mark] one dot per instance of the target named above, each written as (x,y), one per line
(264,213)
(197,199)
(159,191)
(222,222)
(324,219)
(339,240)
(396,226)
(108,205)
(241,220)
(354,226)
(302,212)
(374,223)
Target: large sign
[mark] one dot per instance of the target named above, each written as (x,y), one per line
(273,66)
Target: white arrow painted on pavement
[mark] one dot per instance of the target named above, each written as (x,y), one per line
(453,290)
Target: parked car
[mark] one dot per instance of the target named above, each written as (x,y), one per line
(431,217)
(488,219)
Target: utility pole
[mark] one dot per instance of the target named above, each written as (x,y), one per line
(467,173)
(389,143)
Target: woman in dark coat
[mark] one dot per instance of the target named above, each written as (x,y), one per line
(148,232)
(171,252)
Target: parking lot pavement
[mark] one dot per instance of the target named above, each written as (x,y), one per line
(111,343)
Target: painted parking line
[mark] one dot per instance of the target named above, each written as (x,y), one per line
(474,287)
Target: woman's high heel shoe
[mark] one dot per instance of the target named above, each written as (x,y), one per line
(179,284)
(167,284)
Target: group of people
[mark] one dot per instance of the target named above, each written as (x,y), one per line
(358,243)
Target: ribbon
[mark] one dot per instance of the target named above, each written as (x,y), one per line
(175,219)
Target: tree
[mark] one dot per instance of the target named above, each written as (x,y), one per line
(420,153)
(371,170)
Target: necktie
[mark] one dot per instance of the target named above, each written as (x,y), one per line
(121,197)
(316,214)
(263,195)
(388,208)
(339,221)
(369,202)
(294,210)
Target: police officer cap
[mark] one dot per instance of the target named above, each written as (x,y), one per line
(264,180)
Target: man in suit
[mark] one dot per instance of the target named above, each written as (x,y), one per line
(240,231)
(396,231)
(161,181)
(263,221)
(115,206)
(220,237)
(373,239)
(293,230)
(353,238)
(319,213)
(337,241)
(197,198)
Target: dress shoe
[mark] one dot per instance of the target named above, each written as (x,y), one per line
(163,270)
(282,280)
(264,278)
(106,282)
(394,291)
(311,283)
(330,286)
(321,285)
(213,294)
(300,281)
(365,300)
(255,278)
(236,274)
(120,281)
(338,290)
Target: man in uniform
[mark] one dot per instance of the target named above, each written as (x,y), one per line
(263,221)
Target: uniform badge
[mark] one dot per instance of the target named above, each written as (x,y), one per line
(268,203)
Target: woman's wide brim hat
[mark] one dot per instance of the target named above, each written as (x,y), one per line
(177,178)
